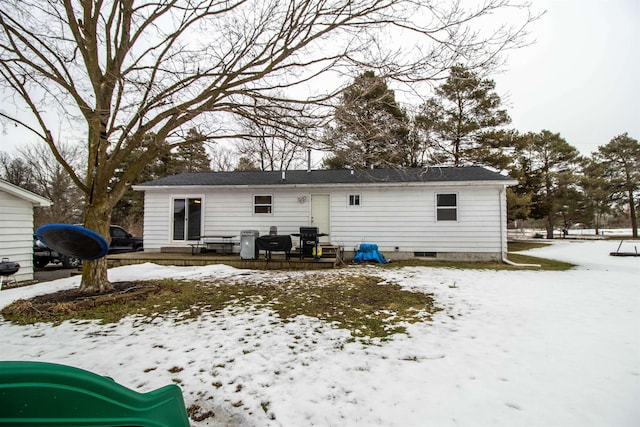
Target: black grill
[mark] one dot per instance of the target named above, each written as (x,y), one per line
(274,243)
(308,241)
(7,268)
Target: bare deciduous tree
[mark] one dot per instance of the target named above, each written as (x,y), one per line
(223,158)
(54,182)
(276,145)
(17,171)
(34,168)
(123,69)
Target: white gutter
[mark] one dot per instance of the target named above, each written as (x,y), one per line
(503,227)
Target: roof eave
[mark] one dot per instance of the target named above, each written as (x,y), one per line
(466,183)
(27,195)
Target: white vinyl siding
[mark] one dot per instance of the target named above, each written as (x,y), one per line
(158,215)
(403,217)
(16,234)
(406,218)
(225,212)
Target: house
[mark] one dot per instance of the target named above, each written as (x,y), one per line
(447,213)
(16,226)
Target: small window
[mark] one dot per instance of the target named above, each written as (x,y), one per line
(354,200)
(263,204)
(447,207)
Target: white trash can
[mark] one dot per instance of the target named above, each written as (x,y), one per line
(248,247)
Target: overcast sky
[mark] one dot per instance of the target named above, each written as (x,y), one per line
(581,78)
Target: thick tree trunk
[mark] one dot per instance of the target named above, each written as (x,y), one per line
(632,214)
(549,226)
(94,276)
(94,273)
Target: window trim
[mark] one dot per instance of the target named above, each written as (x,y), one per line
(455,208)
(255,205)
(355,197)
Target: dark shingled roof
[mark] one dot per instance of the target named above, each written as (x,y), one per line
(343,176)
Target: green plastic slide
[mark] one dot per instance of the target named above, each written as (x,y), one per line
(48,394)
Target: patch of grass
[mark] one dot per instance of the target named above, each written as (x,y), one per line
(462,265)
(545,264)
(365,305)
(197,413)
(525,246)
(362,304)
(163,297)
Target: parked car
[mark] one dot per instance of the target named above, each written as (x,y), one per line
(42,256)
(121,241)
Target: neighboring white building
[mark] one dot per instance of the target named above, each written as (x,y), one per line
(16,226)
(436,212)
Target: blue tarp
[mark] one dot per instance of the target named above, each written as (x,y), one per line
(369,252)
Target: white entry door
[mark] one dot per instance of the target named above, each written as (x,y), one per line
(320,215)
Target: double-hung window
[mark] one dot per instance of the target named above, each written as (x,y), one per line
(262,204)
(446,207)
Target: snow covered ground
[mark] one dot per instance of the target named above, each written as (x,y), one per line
(510,348)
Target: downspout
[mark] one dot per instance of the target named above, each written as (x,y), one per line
(503,228)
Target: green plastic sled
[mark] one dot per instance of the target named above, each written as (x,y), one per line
(48,394)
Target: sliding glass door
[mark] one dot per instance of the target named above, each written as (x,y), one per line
(187,219)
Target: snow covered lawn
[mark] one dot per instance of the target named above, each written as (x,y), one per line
(510,348)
